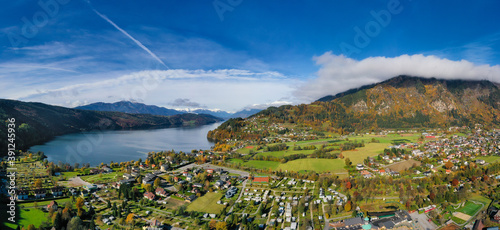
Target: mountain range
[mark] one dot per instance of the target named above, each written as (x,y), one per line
(140,108)
(400,102)
(37,123)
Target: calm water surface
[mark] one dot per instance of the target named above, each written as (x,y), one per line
(123,145)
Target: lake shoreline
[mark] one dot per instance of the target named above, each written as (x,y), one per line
(95,147)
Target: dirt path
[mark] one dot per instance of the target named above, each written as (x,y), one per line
(77,181)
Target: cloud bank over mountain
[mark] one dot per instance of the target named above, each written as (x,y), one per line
(338,73)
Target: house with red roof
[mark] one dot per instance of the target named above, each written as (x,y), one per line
(149,195)
(160,192)
(52,205)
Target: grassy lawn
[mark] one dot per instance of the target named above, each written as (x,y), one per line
(70,174)
(103,177)
(481,199)
(60,202)
(458,220)
(470,208)
(207,203)
(257,164)
(29,216)
(173,203)
(489,159)
(318,165)
(246,150)
(371,149)
(388,139)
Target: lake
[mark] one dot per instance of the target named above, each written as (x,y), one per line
(123,145)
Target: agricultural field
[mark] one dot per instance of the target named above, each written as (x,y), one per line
(285,153)
(257,163)
(246,150)
(389,138)
(371,149)
(489,159)
(403,165)
(207,203)
(318,165)
(173,203)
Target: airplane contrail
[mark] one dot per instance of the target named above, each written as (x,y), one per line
(130,36)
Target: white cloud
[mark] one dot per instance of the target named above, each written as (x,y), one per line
(339,73)
(227,89)
(269,104)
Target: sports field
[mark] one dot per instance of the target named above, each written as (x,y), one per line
(470,208)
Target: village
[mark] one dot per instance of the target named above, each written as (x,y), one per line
(198,190)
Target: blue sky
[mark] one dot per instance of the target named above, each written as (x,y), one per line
(235,54)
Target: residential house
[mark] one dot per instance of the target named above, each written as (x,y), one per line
(219,184)
(84,193)
(191,198)
(57,191)
(164,167)
(160,192)
(197,185)
(497,216)
(40,193)
(127,181)
(91,187)
(73,191)
(127,176)
(149,179)
(107,169)
(149,195)
(22,194)
(52,205)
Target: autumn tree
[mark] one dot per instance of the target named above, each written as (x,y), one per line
(348,185)
(38,183)
(448,165)
(221,226)
(157,182)
(432,196)
(79,203)
(212,224)
(130,219)
(454,182)
(348,162)
(347,206)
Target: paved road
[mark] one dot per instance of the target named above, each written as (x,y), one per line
(239,197)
